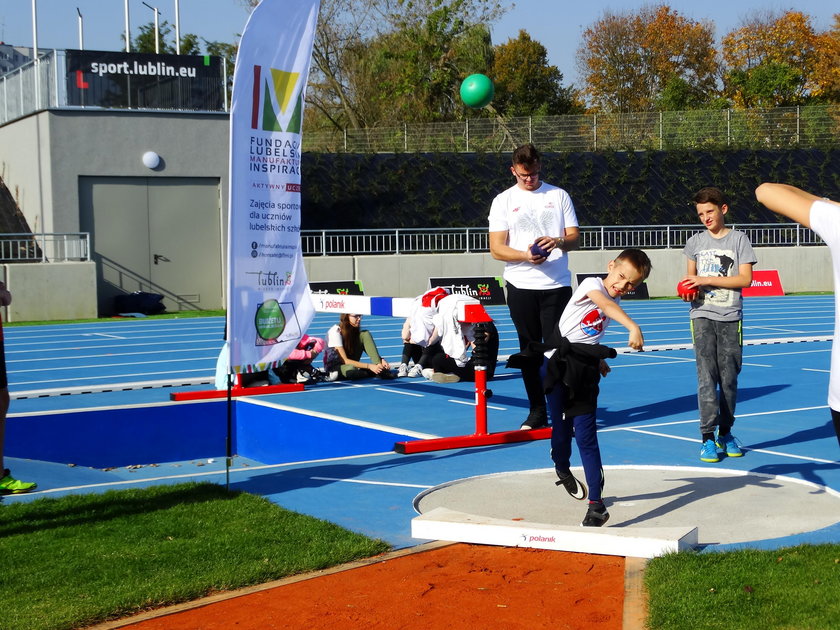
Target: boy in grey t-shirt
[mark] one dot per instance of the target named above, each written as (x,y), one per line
(719,265)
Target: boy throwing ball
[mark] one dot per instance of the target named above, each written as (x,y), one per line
(574,369)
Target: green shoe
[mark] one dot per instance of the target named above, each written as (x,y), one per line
(10,485)
(708,452)
(729,445)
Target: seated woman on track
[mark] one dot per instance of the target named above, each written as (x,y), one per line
(346,341)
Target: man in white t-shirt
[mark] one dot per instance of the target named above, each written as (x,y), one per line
(532,227)
(823,216)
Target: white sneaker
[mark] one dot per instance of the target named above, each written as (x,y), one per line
(304,377)
(428,373)
(415,371)
(402,370)
(332,376)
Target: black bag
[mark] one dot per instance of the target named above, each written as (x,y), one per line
(139,302)
(332,360)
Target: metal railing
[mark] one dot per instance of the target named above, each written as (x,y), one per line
(475,240)
(777,128)
(75,246)
(42,84)
(36,86)
(45,247)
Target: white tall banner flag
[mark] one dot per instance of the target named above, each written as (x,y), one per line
(268,302)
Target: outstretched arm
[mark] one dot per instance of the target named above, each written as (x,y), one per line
(614,311)
(790,201)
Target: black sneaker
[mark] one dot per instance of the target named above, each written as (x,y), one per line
(537,419)
(575,488)
(596,515)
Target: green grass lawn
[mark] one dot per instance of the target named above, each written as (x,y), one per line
(78,560)
(83,559)
(782,589)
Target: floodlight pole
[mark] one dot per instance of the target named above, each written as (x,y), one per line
(127,30)
(177,27)
(81,31)
(157,28)
(35,60)
(35,33)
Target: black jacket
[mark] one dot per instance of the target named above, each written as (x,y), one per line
(576,365)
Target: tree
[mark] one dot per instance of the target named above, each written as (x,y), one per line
(402,52)
(771,60)
(628,59)
(144,42)
(769,84)
(419,67)
(826,76)
(525,82)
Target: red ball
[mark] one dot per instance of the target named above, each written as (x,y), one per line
(685,290)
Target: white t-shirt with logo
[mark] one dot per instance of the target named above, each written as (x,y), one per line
(825,221)
(582,321)
(526,215)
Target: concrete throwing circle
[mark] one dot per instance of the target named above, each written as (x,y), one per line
(727,506)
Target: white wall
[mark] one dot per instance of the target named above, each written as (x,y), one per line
(50,291)
(42,156)
(800,269)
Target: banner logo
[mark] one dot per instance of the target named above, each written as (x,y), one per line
(269,320)
(277,92)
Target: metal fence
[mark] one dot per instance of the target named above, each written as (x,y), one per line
(75,246)
(778,128)
(37,86)
(45,247)
(475,240)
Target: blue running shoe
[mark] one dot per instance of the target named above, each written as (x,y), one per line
(708,452)
(729,445)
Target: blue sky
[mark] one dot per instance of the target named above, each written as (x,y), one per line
(557,24)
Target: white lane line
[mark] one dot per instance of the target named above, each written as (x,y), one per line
(113,387)
(142,341)
(697,420)
(770,413)
(816,370)
(472,404)
(397,391)
(343,419)
(75,357)
(76,379)
(114,365)
(373,483)
(638,365)
(802,457)
(98,334)
(745,448)
(211,473)
(784,354)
